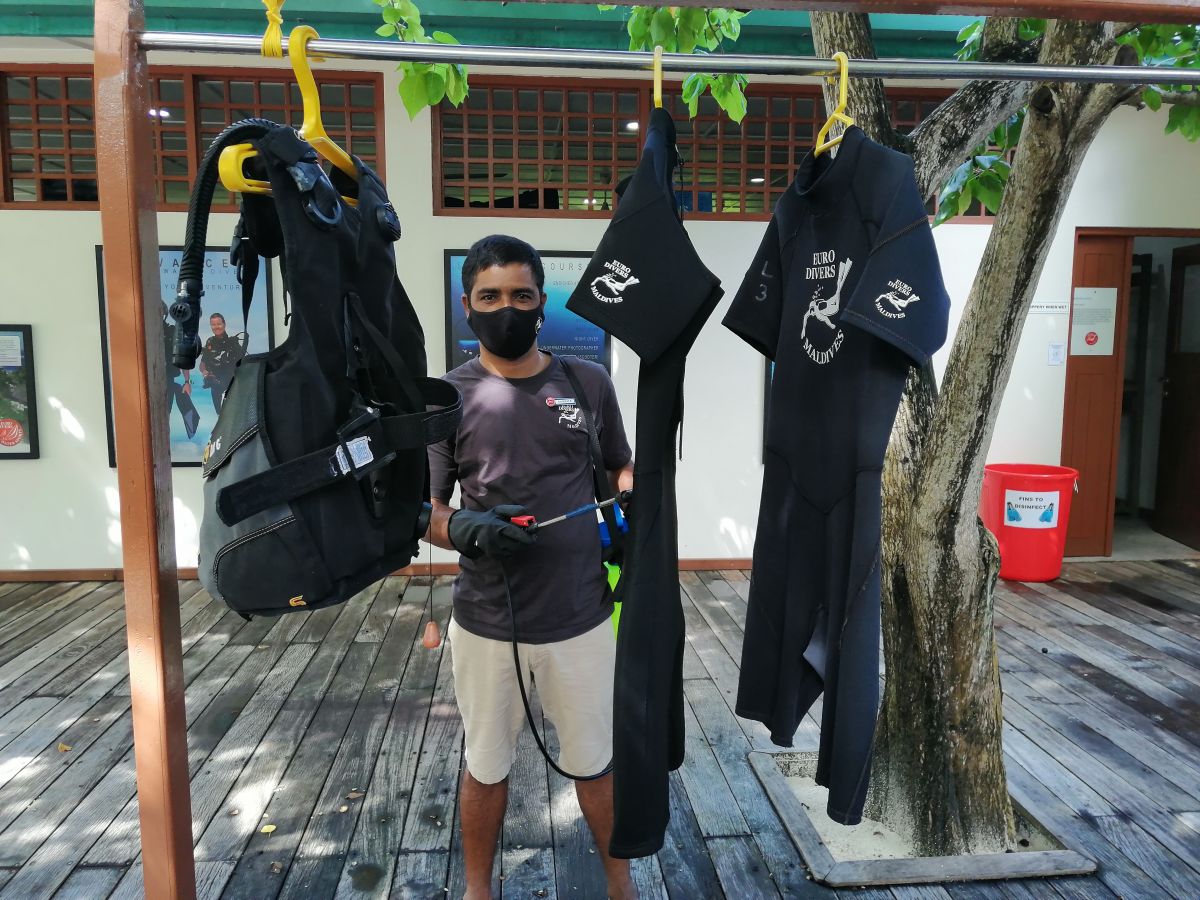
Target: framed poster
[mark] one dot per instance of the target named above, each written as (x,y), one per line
(194,397)
(18,394)
(563,331)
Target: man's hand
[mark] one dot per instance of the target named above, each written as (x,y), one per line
(489,533)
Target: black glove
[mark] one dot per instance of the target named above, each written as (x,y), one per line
(489,533)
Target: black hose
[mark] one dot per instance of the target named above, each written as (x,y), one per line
(186,308)
(537,735)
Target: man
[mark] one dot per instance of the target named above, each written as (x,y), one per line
(218,359)
(178,394)
(523,448)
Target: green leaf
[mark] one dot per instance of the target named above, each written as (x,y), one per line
(413,93)
(409,10)
(606,7)
(385,30)
(662,26)
(693,87)
(964,201)
(957,180)
(985,161)
(969,31)
(456,85)
(989,195)
(391,15)
(442,37)
(1152,99)
(435,87)
(947,208)
(1176,118)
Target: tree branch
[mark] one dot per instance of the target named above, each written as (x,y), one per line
(1176,98)
(944,138)
(851,33)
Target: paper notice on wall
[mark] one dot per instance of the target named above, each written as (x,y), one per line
(10,351)
(1093,321)
(1031,509)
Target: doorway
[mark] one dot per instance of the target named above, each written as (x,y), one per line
(1131,423)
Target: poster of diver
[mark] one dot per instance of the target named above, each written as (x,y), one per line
(18,397)
(563,332)
(194,397)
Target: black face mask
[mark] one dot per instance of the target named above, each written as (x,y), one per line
(507,332)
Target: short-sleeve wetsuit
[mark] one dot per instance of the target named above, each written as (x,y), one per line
(844,294)
(647,286)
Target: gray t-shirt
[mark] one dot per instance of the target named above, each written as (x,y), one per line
(523,440)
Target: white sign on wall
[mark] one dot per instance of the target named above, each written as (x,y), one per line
(1054,306)
(1031,509)
(1093,321)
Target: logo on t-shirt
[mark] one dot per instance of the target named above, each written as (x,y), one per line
(822,343)
(897,297)
(568,411)
(610,287)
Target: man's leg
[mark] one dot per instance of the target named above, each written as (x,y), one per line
(575,682)
(596,801)
(486,690)
(481,810)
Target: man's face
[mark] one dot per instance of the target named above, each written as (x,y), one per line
(499,286)
(218,326)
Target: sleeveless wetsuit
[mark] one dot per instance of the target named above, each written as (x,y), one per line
(646,286)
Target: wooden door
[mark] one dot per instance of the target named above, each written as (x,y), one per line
(1092,406)
(1177,495)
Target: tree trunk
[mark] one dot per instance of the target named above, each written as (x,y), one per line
(939,771)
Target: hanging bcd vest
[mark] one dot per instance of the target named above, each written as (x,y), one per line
(315,476)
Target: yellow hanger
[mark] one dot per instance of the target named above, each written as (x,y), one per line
(230,165)
(658,76)
(839,113)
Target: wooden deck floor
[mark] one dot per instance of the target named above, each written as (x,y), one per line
(339,729)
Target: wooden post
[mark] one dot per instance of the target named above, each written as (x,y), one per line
(131,283)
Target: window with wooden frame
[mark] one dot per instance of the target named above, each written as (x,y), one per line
(541,147)
(48,141)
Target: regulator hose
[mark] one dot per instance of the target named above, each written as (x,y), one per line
(186,308)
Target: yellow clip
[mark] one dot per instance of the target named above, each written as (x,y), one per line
(312,130)
(297,601)
(272,42)
(839,113)
(658,52)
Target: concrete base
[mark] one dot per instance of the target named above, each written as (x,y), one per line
(916,870)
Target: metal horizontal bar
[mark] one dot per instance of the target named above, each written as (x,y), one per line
(395,51)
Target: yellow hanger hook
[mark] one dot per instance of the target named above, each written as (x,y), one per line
(839,112)
(658,78)
(313,130)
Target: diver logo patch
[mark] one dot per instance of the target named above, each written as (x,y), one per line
(897,297)
(567,409)
(610,287)
(822,343)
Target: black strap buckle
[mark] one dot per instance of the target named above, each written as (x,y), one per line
(354,455)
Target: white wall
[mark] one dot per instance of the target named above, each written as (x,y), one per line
(68,497)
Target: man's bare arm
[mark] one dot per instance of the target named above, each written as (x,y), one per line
(622,479)
(438,532)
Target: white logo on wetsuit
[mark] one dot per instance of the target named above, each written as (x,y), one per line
(820,346)
(568,411)
(899,296)
(610,286)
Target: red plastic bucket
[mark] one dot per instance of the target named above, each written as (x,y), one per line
(1027,507)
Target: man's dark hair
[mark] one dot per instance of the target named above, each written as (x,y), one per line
(217,316)
(500,250)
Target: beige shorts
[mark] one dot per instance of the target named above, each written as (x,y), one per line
(574,681)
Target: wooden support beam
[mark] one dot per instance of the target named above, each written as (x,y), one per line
(131,283)
(1154,11)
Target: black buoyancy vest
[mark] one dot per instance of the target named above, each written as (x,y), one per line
(315,478)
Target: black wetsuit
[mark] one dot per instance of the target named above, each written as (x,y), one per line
(647,286)
(844,294)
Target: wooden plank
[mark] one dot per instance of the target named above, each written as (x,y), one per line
(91,883)
(713,804)
(938,869)
(421,874)
(722,669)
(207,874)
(431,805)
(220,741)
(740,867)
(1149,856)
(527,839)
(529,872)
(317,624)
(687,869)
(371,857)
(1089,888)
(647,877)
(919,892)
(692,666)
(84,599)
(322,838)
(38,597)
(731,601)
(721,623)
(280,781)
(578,871)
(62,635)
(22,716)
(731,749)
(387,600)
(1097,682)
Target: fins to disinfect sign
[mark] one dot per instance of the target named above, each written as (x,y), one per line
(1031,509)
(1093,321)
